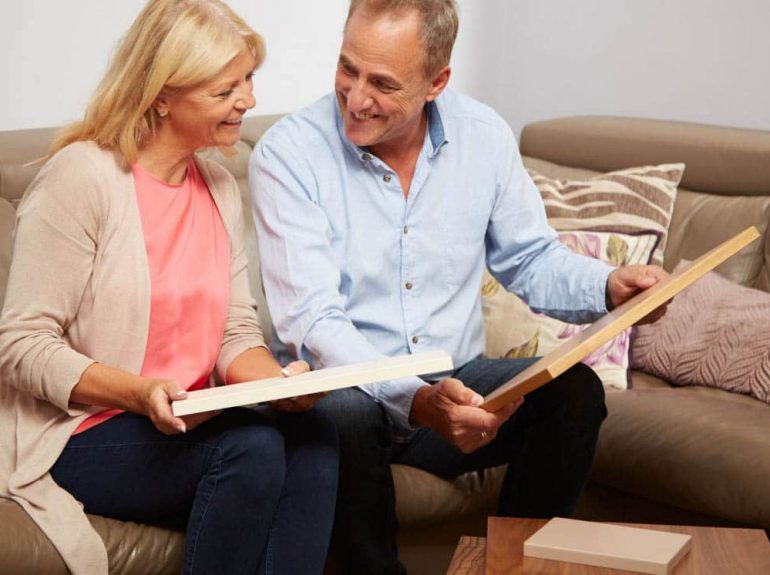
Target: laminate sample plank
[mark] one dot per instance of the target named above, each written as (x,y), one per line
(606,545)
(261,390)
(714,551)
(625,315)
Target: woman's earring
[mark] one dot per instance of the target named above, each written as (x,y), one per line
(162,113)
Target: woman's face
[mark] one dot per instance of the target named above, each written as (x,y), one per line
(210,114)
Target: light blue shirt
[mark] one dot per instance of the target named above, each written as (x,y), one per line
(354,271)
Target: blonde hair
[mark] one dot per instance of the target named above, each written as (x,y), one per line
(172,44)
(438,25)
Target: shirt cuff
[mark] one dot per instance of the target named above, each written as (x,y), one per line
(597,279)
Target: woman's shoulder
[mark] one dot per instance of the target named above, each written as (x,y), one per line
(82,162)
(87,153)
(80,172)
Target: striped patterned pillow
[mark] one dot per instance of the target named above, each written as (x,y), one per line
(631,201)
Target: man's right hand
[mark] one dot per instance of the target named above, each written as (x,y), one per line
(453,411)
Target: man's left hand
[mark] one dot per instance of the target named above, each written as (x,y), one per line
(302,402)
(625,282)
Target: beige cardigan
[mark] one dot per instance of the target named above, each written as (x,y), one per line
(79,292)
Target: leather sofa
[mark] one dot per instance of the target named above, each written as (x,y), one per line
(666,454)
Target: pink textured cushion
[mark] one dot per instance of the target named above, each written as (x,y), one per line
(714,334)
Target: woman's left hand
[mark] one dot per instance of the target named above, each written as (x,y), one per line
(194,420)
(303,402)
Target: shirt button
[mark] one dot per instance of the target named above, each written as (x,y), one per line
(406,230)
(408,285)
(386,177)
(415,339)
(366,157)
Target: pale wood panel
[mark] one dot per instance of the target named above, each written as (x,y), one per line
(259,391)
(622,317)
(608,545)
(714,551)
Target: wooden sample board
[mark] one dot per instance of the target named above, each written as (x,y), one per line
(262,390)
(606,545)
(714,551)
(624,316)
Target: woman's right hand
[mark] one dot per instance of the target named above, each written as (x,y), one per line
(156,400)
(117,389)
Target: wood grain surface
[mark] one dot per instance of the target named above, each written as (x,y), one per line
(715,551)
(624,316)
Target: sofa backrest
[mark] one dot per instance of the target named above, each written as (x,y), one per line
(725,187)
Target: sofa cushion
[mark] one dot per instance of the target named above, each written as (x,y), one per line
(699,224)
(425,498)
(699,448)
(133,549)
(635,200)
(513,330)
(727,347)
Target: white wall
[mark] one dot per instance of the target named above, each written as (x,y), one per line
(54,52)
(691,60)
(694,60)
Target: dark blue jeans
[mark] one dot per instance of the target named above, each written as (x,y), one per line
(548,445)
(253,491)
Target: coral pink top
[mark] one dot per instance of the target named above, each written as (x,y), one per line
(188,252)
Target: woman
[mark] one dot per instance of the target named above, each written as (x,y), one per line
(128,287)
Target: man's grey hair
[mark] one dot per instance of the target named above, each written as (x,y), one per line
(439,23)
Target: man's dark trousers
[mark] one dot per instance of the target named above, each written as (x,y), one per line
(548,444)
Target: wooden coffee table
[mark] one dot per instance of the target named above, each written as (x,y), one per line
(715,551)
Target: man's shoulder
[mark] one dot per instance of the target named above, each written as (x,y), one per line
(461,108)
(312,127)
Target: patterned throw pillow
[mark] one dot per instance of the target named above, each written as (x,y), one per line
(715,334)
(513,330)
(636,200)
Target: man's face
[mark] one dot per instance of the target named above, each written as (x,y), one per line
(380,82)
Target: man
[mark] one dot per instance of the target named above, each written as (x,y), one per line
(376,209)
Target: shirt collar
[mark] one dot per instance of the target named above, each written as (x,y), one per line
(435,127)
(435,132)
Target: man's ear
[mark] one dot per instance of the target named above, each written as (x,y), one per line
(439,82)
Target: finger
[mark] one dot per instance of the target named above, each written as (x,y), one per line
(454,390)
(287,405)
(505,413)
(194,420)
(304,402)
(295,368)
(657,272)
(474,420)
(160,407)
(500,417)
(647,276)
